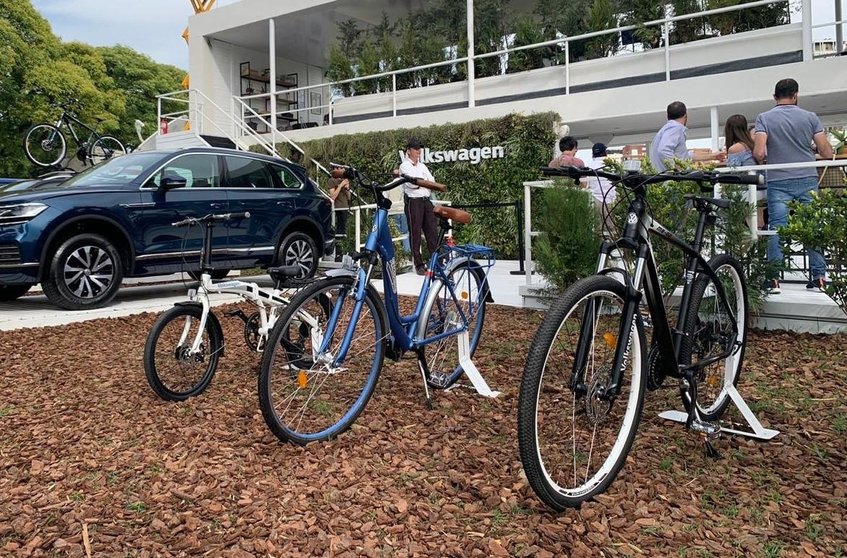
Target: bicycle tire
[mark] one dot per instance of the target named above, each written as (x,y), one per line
(700,335)
(441,314)
(548,356)
(163,348)
(104,148)
(45,145)
(297,398)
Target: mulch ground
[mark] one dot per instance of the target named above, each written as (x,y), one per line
(92,463)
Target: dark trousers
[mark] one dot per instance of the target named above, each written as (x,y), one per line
(421,218)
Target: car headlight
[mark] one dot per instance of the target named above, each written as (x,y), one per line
(17,214)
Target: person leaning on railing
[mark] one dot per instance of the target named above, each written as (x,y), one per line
(669,142)
(786,134)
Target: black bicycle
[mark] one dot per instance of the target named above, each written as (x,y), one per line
(46,145)
(583,384)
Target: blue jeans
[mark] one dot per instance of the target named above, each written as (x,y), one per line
(780,192)
(402,228)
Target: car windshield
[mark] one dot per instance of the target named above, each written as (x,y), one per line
(123,169)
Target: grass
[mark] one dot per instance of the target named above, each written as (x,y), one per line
(813,529)
(773,549)
(137,507)
(6,410)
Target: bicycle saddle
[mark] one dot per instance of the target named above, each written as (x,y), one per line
(283,272)
(458,216)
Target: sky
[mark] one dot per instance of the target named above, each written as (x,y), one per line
(155,27)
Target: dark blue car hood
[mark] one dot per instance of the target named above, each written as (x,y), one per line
(43,193)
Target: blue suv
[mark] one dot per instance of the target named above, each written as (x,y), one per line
(79,238)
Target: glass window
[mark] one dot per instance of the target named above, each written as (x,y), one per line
(199,170)
(248,173)
(287,178)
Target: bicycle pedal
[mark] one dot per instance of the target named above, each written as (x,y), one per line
(438,380)
(708,429)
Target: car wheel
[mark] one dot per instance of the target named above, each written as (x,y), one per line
(299,249)
(12,292)
(85,272)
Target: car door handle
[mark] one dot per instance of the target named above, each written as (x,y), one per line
(218,205)
(285,202)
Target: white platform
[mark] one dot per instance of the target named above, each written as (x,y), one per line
(795,309)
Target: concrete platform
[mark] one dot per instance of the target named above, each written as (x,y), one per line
(795,309)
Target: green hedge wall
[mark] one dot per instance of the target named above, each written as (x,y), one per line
(528,142)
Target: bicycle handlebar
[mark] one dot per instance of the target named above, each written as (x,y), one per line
(212,217)
(642,179)
(350,173)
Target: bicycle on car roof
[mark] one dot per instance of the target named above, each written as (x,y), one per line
(46,145)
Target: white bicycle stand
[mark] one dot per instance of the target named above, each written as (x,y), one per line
(470,369)
(758,432)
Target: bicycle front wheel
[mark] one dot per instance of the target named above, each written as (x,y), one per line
(105,148)
(573,437)
(306,394)
(442,314)
(173,370)
(714,327)
(45,145)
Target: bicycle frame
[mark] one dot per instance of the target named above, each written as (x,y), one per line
(68,120)
(636,236)
(402,328)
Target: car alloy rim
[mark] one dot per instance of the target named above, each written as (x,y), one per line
(89,271)
(299,253)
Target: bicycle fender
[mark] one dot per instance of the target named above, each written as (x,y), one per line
(217,330)
(476,269)
(341,272)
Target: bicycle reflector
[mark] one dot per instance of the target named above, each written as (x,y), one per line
(302,379)
(610,339)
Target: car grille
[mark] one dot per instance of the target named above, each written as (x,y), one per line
(10,254)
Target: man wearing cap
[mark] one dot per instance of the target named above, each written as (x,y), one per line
(418,205)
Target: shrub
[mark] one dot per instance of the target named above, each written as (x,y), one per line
(822,223)
(567,248)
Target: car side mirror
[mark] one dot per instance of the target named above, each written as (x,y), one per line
(171,182)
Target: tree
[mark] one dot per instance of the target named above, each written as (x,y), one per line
(527,32)
(602,16)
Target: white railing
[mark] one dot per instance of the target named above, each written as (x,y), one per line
(357,210)
(561,42)
(752,219)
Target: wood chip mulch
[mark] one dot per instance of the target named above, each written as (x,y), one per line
(92,463)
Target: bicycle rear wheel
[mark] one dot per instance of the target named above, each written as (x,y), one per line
(104,148)
(304,394)
(45,145)
(441,314)
(712,328)
(574,442)
(172,370)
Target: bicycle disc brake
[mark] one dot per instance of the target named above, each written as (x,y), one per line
(596,408)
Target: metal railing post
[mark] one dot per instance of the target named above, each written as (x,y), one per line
(567,67)
(393,94)
(358,229)
(666,36)
(527,246)
(471,68)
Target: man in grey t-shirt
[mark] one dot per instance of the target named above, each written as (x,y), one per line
(785,134)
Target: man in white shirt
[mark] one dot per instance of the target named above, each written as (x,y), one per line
(670,141)
(418,205)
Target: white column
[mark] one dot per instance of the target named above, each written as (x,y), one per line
(471,92)
(716,128)
(272,85)
(839,28)
(666,36)
(806,14)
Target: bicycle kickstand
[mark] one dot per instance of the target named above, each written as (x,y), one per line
(422,366)
(695,423)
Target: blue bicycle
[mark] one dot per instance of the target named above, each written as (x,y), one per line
(326,350)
